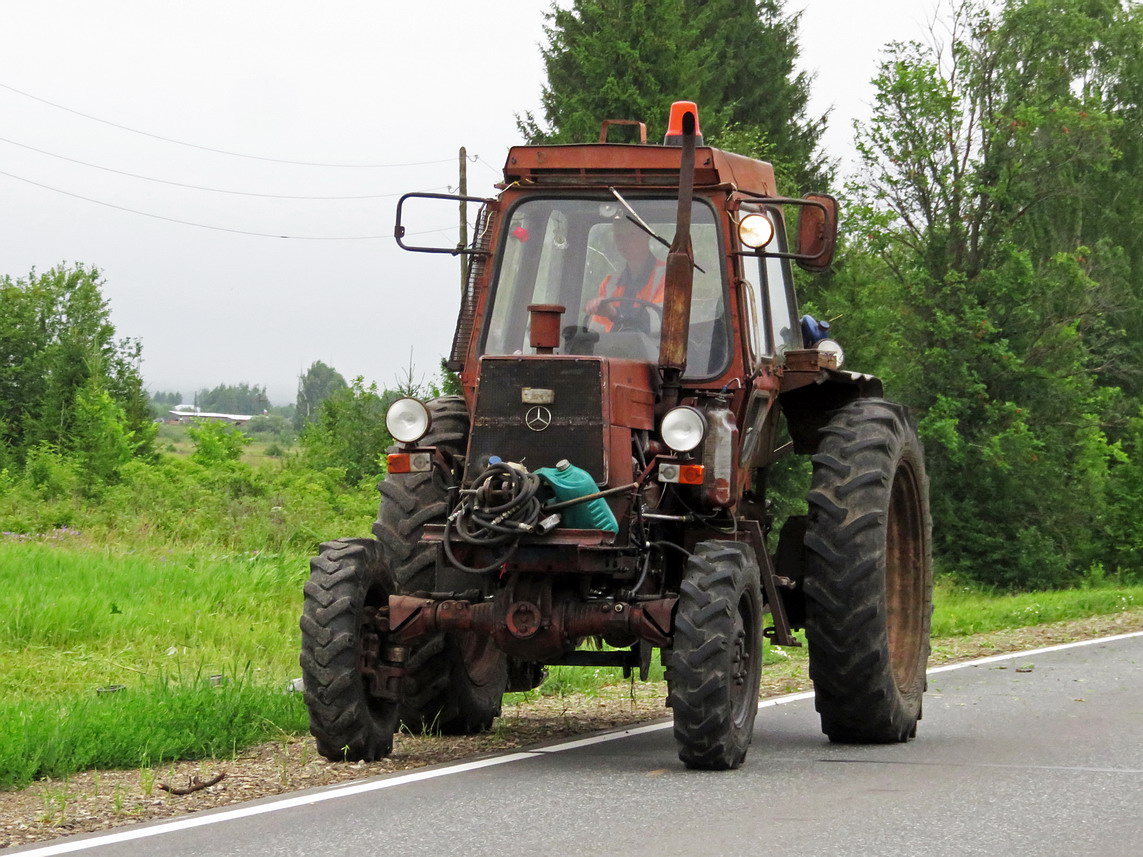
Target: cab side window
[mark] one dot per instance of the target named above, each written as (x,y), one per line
(771,312)
(753,297)
(784,329)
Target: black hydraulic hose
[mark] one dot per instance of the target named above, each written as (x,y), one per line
(483,523)
(471,569)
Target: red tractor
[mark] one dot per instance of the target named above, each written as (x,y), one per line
(633,365)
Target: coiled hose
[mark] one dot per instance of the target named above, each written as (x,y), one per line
(500,507)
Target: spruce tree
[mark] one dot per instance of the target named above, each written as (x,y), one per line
(629,59)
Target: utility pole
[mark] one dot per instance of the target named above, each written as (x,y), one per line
(463,218)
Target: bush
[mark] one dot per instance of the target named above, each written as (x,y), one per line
(216,442)
(51,473)
(349,433)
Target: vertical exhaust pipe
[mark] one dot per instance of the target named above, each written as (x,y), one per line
(679,277)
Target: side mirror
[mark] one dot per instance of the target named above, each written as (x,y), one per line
(399,227)
(817,232)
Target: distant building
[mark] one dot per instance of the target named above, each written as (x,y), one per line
(183,413)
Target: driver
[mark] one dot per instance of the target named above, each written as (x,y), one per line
(641,279)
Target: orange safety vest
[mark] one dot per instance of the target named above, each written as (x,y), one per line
(652,291)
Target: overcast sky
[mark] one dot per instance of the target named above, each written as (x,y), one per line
(337,99)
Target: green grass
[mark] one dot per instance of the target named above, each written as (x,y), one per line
(960,611)
(78,619)
(151,724)
(161,622)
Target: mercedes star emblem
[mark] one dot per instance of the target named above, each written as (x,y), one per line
(538,418)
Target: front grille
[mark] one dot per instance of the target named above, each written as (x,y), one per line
(576,431)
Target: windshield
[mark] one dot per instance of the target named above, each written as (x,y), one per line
(587,256)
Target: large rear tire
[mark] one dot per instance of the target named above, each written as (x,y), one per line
(868,583)
(352,716)
(715,665)
(453,682)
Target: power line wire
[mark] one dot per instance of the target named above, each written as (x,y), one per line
(498,172)
(192,223)
(195,186)
(208,148)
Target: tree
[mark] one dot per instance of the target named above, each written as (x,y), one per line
(622,59)
(349,432)
(756,82)
(100,439)
(233,399)
(629,59)
(974,223)
(56,340)
(162,402)
(1112,220)
(315,385)
(216,444)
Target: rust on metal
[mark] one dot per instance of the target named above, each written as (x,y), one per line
(679,279)
(614,164)
(782,635)
(817,232)
(529,628)
(545,327)
(379,661)
(630,388)
(810,360)
(607,123)
(805,367)
(566,536)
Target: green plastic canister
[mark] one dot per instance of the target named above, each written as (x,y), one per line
(569,482)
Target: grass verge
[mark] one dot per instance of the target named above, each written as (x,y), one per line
(143,728)
(162,623)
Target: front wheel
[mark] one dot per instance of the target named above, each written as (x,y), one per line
(869,582)
(351,691)
(715,665)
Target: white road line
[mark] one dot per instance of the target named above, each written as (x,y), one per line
(188,822)
(1011,656)
(335,792)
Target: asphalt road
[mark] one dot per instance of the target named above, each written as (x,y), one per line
(1039,754)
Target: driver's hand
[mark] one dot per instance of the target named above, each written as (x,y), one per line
(599,306)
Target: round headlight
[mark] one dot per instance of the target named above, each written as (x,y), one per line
(755,230)
(830,346)
(408,420)
(683,428)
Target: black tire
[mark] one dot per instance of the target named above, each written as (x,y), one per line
(347,582)
(715,664)
(869,583)
(453,682)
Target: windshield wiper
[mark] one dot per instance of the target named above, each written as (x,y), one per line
(634,217)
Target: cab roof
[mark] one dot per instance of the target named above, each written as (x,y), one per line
(602,165)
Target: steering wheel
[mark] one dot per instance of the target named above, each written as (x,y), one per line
(637,303)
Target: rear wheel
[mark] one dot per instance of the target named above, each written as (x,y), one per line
(868,584)
(351,691)
(715,665)
(453,682)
